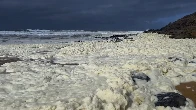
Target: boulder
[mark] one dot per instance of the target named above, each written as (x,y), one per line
(170,99)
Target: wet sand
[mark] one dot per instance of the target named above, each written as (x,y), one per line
(188,90)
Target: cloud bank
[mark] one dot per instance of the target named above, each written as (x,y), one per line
(91,14)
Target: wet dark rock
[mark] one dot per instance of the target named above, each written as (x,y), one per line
(141,76)
(4,60)
(116,39)
(170,99)
(4,40)
(71,64)
(31,59)
(121,35)
(119,38)
(101,37)
(62,64)
(180,29)
(192,62)
(179,76)
(79,41)
(173,59)
(129,38)
(68,64)
(194,75)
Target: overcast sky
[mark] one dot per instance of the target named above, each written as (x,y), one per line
(92,14)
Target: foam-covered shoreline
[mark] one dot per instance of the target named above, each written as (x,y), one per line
(43,80)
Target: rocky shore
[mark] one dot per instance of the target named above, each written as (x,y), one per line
(180,29)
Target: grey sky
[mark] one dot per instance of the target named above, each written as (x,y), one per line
(92,14)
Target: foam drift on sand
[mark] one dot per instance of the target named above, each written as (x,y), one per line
(133,74)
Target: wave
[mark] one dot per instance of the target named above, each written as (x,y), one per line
(63,32)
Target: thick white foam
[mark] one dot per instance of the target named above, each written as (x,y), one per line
(102,80)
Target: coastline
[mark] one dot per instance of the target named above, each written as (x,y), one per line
(102,78)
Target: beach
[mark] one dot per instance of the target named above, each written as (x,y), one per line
(96,75)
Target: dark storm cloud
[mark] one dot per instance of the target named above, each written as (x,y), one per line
(91,14)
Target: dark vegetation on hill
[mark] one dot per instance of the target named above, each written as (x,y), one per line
(180,29)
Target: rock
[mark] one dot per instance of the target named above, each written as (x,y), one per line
(194,75)
(180,29)
(79,41)
(141,76)
(170,99)
(179,61)
(173,59)
(192,62)
(116,39)
(117,36)
(4,60)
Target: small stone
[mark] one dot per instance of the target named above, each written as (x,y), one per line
(140,76)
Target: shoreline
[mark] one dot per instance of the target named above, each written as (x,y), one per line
(102,77)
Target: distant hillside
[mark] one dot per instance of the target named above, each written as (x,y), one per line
(182,28)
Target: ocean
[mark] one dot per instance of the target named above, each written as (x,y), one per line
(49,36)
